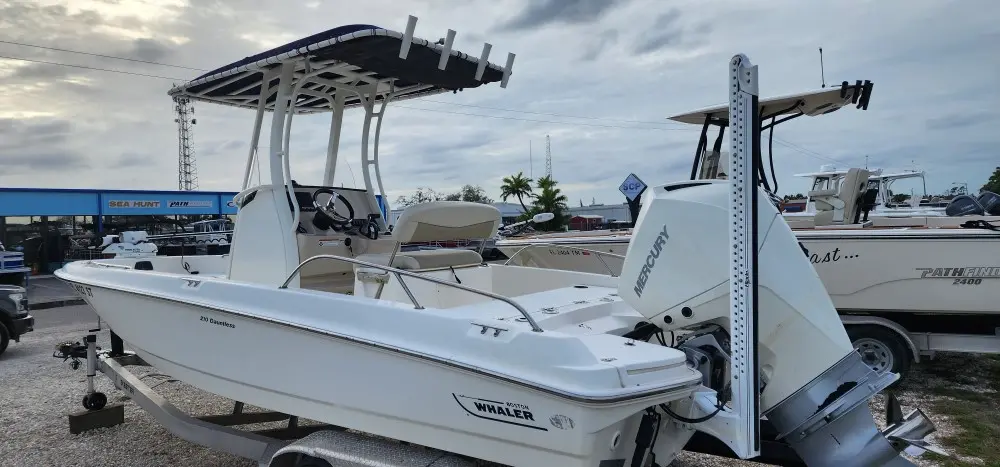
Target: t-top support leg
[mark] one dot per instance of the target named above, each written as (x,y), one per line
(333,147)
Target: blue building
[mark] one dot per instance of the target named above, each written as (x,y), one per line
(47,223)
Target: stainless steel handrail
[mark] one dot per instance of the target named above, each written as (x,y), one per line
(600,254)
(399,273)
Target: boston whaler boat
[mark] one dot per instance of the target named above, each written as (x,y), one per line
(520,366)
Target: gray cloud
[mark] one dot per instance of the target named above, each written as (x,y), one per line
(131,160)
(149,50)
(677,64)
(669,31)
(540,13)
(961,120)
(599,44)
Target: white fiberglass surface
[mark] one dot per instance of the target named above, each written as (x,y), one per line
(571,364)
(507,281)
(205,265)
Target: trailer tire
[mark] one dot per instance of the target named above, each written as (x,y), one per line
(4,338)
(881,349)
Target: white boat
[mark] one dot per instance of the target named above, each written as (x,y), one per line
(886,264)
(128,244)
(520,366)
(880,182)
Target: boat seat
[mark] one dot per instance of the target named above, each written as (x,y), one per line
(427,259)
(841,205)
(438,221)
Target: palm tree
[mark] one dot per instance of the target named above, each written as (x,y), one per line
(517,186)
(551,200)
(546,182)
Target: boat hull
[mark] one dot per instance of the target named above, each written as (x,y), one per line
(373,388)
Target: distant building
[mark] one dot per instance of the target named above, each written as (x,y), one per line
(586,222)
(610,212)
(509,212)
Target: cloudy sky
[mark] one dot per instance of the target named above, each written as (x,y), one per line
(598,77)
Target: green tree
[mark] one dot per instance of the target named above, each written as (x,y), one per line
(993,184)
(550,199)
(470,193)
(422,195)
(517,186)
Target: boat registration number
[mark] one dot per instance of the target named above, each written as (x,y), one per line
(83,290)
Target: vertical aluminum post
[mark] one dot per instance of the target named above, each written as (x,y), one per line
(743,133)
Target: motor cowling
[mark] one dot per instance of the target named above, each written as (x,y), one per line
(676,274)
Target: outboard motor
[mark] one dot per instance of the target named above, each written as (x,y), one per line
(990,202)
(815,386)
(964,205)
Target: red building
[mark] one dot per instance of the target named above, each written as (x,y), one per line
(586,222)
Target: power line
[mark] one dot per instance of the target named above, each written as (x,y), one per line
(422,99)
(90,68)
(785,143)
(100,55)
(550,114)
(501,117)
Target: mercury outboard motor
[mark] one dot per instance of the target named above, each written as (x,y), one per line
(990,202)
(964,205)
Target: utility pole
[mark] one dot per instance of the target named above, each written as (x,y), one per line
(187,173)
(548,157)
(531,164)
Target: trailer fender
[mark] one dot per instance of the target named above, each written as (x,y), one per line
(891,325)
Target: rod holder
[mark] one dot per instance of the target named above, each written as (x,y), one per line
(506,70)
(446,50)
(483,60)
(404,48)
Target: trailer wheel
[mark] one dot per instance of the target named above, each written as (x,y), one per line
(95,401)
(880,348)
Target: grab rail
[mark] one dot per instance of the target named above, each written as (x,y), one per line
(399,273)
(600,254)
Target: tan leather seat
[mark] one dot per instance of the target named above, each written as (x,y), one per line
(840,206)
(440,221)
(427,259)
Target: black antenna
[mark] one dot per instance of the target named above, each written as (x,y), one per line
(822,74)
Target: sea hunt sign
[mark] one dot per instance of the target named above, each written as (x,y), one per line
(189,204)
(123,203)
(632,187)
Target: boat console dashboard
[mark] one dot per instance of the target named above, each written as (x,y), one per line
(355,217)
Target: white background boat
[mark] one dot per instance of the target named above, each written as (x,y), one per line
(879,266)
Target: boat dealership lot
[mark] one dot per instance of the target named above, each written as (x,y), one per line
(37,392)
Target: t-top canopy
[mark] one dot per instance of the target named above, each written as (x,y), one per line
(809,103)
(345,59)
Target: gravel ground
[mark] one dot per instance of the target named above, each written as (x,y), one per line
(38,391)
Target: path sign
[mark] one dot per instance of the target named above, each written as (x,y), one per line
(632,187)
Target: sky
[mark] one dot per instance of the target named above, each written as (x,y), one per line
(599,78)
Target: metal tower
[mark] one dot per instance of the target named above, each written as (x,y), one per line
(548,157)
(187,173)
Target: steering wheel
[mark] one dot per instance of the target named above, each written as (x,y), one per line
(326,212)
